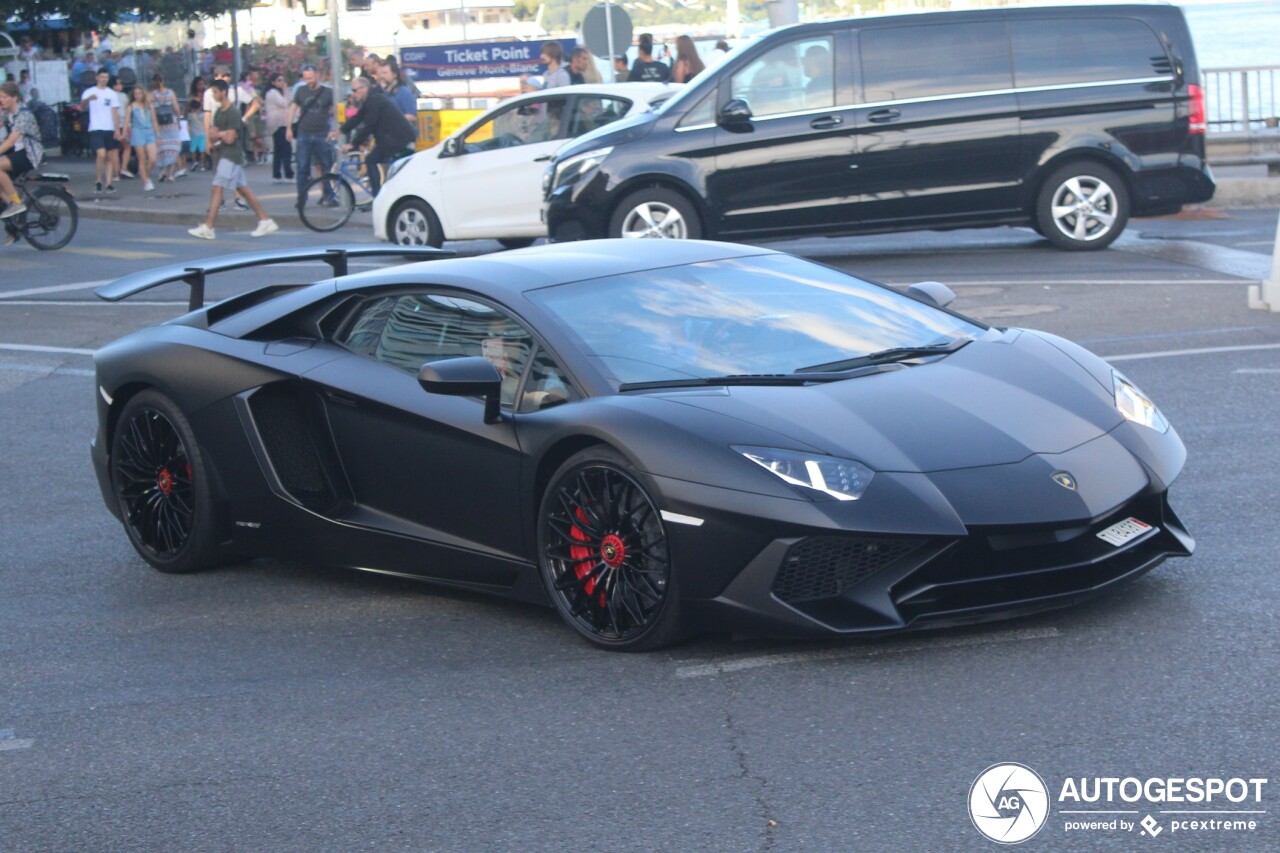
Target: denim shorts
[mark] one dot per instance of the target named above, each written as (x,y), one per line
(139,136)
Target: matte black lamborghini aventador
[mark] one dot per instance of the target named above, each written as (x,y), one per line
(656,438)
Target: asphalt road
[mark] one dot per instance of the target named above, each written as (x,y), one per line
(271,706)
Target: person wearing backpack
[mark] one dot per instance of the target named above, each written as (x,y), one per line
(20,150)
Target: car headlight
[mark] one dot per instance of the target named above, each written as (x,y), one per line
(813,475)
(569,170)
(397,166)
(1135,405)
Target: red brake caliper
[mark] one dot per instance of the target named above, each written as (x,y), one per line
(581,552)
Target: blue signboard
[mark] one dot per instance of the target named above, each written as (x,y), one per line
(476,59)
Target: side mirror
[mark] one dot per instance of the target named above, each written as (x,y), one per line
(933,293)
(736,112)
(452,146)
(465,377)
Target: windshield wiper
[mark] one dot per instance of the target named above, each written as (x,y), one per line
(885,356)
(757,379)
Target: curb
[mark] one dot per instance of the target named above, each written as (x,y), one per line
(1246,192)
(231,217)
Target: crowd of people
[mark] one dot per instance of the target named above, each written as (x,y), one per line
(270,115)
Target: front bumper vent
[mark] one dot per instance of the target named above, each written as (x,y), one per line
(825,566)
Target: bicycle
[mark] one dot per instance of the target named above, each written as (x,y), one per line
(51,217)
(328,200)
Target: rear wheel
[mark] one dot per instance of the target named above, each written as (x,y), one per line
(1083,206)
(327,203)
(51,218)
(413,223)
(656,213)
(603,555)
(158,477)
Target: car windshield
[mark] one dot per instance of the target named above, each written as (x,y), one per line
(770,314)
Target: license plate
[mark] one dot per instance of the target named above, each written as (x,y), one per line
(1123,531)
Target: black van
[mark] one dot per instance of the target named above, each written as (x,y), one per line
(1068,119)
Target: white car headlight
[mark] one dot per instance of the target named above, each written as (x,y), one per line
(568,171)
(397,166)
(1135,405)
(813,475)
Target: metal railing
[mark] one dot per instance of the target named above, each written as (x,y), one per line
(1242,100)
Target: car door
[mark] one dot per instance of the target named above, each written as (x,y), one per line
(938,132)
(491,185)
(786,165)
(427,465)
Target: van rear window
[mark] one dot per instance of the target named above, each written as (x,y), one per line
(926,61)
(1085,50)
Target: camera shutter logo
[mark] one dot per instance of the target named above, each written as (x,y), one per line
(1008,803)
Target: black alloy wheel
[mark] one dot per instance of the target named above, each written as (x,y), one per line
(604,557)
(157,476)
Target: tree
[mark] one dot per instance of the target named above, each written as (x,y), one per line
(100,14)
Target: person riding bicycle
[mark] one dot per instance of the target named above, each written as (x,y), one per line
(20,150)
(380,118)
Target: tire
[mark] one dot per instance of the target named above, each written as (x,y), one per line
(327,203)
(603,555)
(656,213)
(1083,207)
(51,219)
(161,487)
(516,242)
(412,222)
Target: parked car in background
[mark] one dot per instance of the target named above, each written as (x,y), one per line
(1068,119)
(484,181)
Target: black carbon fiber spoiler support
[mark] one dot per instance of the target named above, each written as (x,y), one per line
(195,272)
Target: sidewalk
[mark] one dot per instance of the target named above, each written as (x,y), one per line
(186,200)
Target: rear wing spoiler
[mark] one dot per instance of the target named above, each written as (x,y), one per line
(195,272)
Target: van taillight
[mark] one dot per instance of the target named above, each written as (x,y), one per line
(1197,117)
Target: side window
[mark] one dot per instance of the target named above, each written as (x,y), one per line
(520,124)
(702,114)
(546,385)
(408,331)
(926,61)
(795,76)
(592,111)
(1084,50)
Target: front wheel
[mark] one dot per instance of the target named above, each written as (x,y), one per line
(603,555)
(1083,206)
(413,223)
(51,219)
(656,213)
(157,473)
(327,203)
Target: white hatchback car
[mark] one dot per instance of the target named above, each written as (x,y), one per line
(485,181)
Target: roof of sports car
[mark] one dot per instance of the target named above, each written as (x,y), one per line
(560,263)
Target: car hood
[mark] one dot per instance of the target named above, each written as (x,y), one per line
(993,402)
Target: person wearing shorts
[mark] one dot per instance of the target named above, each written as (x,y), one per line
(20,150)
(104,108)
(227,133)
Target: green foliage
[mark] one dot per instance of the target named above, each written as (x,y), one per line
(100,14)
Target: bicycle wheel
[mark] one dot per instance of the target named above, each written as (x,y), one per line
(51,218)
(327,203)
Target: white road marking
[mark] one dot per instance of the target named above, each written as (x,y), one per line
(38,348)
(740,664)
(8,741)
(55,288)
(1135,356)
(1257,370)
(1016,278)
(36,368)
(92,303)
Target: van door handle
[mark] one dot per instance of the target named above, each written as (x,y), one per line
(882,116)
(824,122)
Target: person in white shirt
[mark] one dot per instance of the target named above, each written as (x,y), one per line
(104,108)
